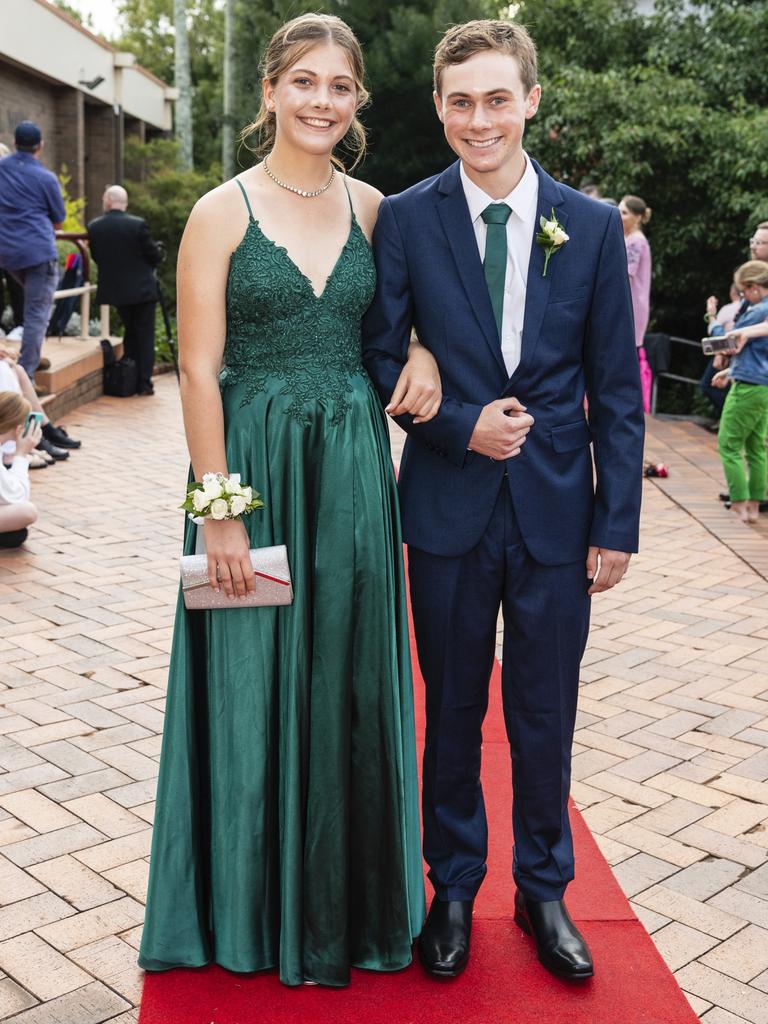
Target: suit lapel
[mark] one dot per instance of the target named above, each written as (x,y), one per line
(454,215)
(537,291)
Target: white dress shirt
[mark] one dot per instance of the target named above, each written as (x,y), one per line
(523,201)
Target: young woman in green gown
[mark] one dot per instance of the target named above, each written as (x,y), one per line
(287,828)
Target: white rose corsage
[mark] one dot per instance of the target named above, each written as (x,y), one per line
(551,238)
(220,497)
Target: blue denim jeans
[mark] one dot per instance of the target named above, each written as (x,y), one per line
(39,284)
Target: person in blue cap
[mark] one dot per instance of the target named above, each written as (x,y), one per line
(31,208)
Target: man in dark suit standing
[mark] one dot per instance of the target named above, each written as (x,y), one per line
(127,256)
(518,286)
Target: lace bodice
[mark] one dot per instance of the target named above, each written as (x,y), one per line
(277,327)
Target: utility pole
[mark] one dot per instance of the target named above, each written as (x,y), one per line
(228,128)
(183,82)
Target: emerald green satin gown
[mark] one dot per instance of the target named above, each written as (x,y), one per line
(287,828)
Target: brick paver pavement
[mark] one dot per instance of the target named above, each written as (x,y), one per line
(671,757)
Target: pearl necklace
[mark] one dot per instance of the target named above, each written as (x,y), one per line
(299,191)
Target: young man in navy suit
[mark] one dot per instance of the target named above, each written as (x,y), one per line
(499,503)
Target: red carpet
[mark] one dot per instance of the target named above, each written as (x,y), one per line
(504,983)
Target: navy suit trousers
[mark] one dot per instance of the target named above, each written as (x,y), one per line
(456,602)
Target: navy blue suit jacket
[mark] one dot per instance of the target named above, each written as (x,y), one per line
(578,337)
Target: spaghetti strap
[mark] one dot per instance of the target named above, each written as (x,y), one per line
(349,195)
(245,197)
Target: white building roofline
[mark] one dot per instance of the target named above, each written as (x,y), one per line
(46,41)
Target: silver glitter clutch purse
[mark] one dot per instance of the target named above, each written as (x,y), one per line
(271,574)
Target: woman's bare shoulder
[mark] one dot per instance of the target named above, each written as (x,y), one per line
(220,217)
(366,200)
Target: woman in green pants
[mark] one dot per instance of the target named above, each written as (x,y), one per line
(744,423)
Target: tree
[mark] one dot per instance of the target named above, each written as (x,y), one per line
(227,127)
(84,19)
(164,194)
(640,105)
(398,40)
(183,81)
(147,31)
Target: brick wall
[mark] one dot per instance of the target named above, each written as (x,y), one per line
(99,155)
(70,137)
(78,132)
(26,98)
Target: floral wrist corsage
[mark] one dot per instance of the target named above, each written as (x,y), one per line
(220,497)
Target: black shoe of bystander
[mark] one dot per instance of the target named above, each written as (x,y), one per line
(57,453)
(59,437)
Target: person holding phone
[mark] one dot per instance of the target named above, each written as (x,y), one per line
(744,423)
(19,424)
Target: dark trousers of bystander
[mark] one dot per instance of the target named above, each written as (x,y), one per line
(39,284)
(139,340)
(715,395)
(15,297)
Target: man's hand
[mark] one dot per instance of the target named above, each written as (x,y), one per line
(721,379)
(501,429)
(605,568)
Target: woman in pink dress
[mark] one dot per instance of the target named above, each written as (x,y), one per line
(634,213)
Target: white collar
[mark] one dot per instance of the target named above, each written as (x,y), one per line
(522,199)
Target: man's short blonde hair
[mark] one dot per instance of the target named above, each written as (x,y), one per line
(463,41)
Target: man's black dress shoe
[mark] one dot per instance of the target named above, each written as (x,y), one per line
(444,941)
(59,437)
(59,454)
(560,945)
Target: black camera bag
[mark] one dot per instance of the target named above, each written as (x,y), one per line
(121,376)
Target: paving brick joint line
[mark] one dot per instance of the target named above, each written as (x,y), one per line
(670,762)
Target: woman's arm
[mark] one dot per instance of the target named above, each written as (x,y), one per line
(418,390)
(745,334)
(202,270)
(633,257)
(201,284)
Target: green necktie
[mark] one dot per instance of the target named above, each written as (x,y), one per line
(495,263)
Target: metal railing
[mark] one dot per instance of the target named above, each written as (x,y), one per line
(666,375)
(80,239)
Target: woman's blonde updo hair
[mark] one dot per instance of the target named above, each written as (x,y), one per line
(13,410)
(639,207)
(752,272)
(287,46)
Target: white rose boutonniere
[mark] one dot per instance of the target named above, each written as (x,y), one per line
(551,237)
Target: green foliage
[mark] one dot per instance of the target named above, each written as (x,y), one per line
(73,12)
(148,33)
(75,206)
(405,139)
(164,196)
(700,169)
(74,220)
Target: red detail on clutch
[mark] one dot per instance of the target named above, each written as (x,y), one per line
(272,579)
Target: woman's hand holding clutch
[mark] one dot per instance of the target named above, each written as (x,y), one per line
(419,390)
(229,560)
